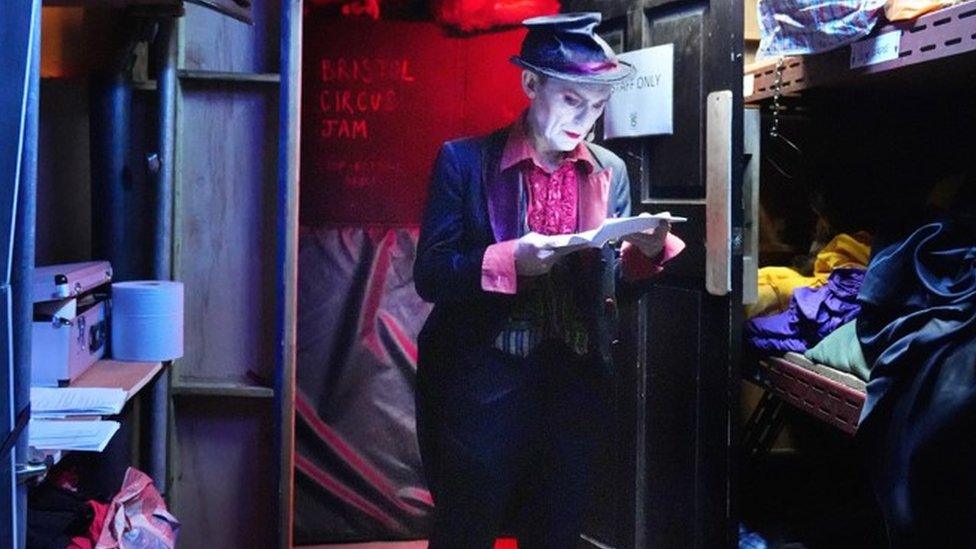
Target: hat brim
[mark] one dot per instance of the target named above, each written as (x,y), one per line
(622,72)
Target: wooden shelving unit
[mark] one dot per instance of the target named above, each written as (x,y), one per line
(237,9)
(214,76)
(941,43)
(233,144)
(220,388)
(131,377)
(113,3)
(128,376)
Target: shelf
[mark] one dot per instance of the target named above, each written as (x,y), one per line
(195,386)
(833,399)
(169,8)
(146,85)
(131,377)
(172,8)
(128,376)
(213,76)
(237,9)
(947,36)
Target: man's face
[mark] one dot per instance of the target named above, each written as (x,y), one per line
(563,113)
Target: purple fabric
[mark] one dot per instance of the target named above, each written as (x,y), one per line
(813,314)
(804,27)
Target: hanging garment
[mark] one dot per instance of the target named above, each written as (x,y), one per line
(137,517)
(841,351)
(813,313)
(801,27)
(918,332)
(776,284)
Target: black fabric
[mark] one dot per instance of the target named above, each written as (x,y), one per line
(918,331)
(509,437)
(55,515)
(358,472)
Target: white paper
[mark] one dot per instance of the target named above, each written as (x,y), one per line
(748,84)
(878,49)
(612,229)
(643,105)
(75,401)
(86,436)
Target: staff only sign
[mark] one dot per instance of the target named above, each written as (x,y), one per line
(643,105)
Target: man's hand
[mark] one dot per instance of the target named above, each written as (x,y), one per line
(651,242)
(533,255)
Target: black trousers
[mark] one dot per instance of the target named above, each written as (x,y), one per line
(509,441)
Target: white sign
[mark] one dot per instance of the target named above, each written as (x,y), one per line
(879,49)
(643,105)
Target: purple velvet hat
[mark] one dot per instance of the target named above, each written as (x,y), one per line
(564,46)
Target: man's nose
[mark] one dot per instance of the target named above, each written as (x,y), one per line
(582,117)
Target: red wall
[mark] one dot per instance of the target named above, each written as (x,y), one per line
(379,98)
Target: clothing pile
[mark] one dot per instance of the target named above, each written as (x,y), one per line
(918,333)
(801,311)
(842,352)
(61,516)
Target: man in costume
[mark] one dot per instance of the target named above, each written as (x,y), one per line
(514,361)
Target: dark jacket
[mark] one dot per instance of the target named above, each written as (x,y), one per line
(472,205)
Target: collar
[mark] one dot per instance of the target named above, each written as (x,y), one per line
(518,147)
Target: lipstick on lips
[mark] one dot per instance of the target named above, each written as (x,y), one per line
(571,134)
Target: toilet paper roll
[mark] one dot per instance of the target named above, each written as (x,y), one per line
(147,320)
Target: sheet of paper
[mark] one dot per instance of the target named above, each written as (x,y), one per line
(86,436)
(75,401)
(612,229)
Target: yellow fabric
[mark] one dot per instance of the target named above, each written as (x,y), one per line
(843,251)
(776,284)
(901,10)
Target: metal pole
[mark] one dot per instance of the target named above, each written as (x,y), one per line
(18,146)
(163,238)
(111,106)
(287,259)
(21,278)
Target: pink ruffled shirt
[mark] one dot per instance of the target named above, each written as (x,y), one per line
(553,208)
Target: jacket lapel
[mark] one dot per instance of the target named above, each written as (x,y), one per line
(502,190)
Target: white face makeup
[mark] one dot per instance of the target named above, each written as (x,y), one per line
(562,113)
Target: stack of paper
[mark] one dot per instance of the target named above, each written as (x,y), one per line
(86,436)
(75,401)
(611,229)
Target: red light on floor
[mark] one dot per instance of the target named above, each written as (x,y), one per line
(506,543)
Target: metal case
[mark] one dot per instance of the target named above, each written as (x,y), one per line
(55,282)
(70,330)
